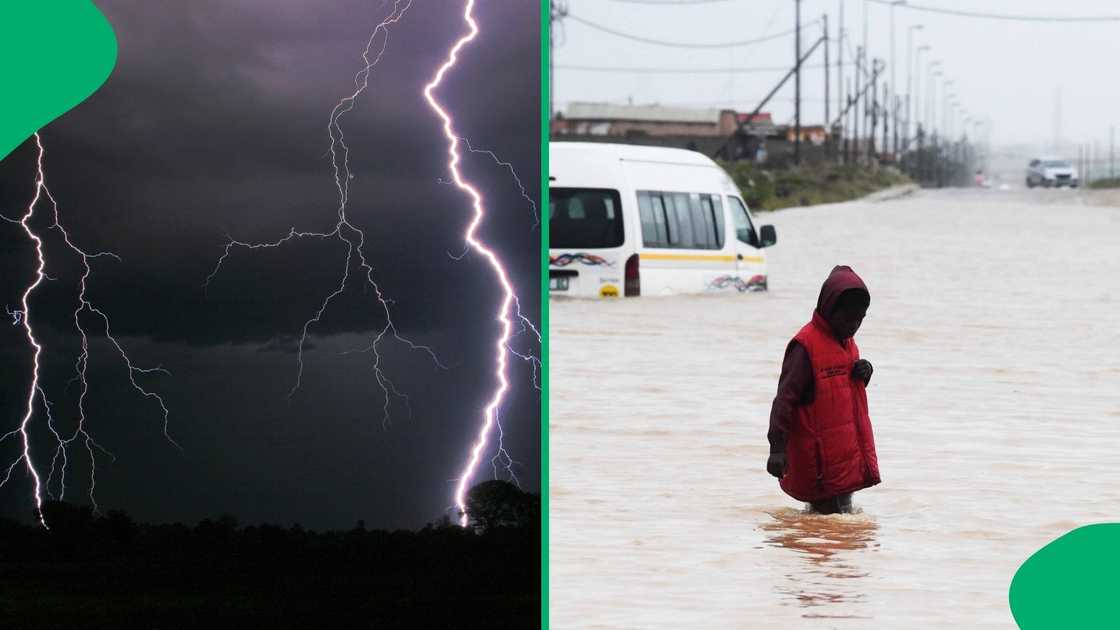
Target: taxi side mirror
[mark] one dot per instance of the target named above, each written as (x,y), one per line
(768,236)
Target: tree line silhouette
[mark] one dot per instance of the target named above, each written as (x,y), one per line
(94,571)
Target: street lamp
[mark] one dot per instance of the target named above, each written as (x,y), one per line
(893,86)
(931,98)
(918,83)
(945,108)
(910,75)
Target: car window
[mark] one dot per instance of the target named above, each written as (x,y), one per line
(702,229)
(584,218)
(680,220)
(714,206)
(744,231)
(654,229)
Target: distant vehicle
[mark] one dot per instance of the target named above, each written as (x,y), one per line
(1051,172)
(630,220)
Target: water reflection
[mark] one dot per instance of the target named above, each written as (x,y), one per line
(828,576)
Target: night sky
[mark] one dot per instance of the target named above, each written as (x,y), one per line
(214,123)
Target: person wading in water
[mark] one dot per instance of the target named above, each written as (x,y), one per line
(821,444)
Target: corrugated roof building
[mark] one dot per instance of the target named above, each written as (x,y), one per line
(607,119)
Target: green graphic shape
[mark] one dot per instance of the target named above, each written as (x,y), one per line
(53,55)
(1070,583)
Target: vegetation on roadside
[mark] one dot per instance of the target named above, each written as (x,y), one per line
(809,185)
(1108,182)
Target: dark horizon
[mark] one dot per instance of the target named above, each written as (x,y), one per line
(214,125)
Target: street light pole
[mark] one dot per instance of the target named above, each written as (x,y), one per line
(827,73)
(797,89)
(909,80)
(893,83)
(918,83)
(855,115)
(954,111)
(945,107)
(931,97)
(840,64)
(867,63)
(557,11)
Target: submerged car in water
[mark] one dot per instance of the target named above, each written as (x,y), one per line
(630,220)
(1051,173)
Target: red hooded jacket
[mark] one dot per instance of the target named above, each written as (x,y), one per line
(828,441)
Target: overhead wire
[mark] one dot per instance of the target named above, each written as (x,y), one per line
(712,70)
(659,42)
(670,2)
(1000,16)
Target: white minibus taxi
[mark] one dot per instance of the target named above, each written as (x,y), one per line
(639,220)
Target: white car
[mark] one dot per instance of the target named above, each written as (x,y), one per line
(1051,173)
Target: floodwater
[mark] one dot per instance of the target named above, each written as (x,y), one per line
(995,402)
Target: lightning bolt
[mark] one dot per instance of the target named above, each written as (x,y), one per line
(509,300)
(22,317)
(351,236)
(513,173)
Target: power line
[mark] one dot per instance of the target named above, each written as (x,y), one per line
(997,16)
(656,70)
(659,42)
(862,68)
(671,2)
(728,103)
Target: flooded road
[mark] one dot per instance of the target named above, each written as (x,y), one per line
(995,401)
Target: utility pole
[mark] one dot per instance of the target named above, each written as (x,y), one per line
(840,74)
(886,117)
(945,106)
(894,116)
(910,82)
(1112,152)
(1093,153)
(894,82)
(797,88)
(868,64)
(741,126)
(848,137)
(853,102)
(827,118)
(855,115)
(558,11)
(927,119)
(873,111)
(919,167)
(931,99)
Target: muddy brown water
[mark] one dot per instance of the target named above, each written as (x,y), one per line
(995,401)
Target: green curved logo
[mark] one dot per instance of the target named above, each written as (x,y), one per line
(1071,582)
(53,55)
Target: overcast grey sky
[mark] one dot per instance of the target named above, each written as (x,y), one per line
(1007,71)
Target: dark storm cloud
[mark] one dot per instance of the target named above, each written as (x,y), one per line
(214,124)
(286,343)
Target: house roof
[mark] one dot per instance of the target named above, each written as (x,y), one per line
(641,113)
(759,118)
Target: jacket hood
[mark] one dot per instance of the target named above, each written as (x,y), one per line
(840,280)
